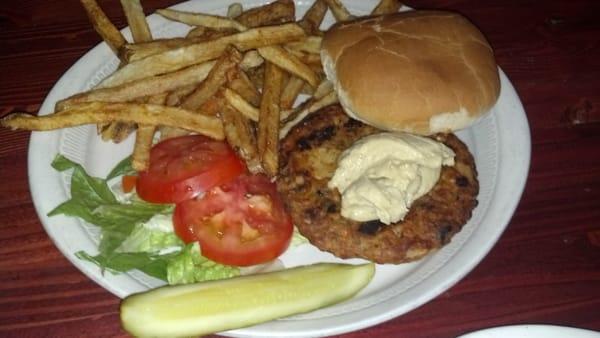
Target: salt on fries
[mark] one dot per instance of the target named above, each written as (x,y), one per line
(234,77)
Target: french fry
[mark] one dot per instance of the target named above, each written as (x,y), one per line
(132,52)
(136,20)
(215,79)
(175,97)
(141,149)
(339,10)
(171,132)
(386,7)
(118,131)
(312,19)
(290,92)
(102,112)
(277,12)
(311,44)
(109,33)
(234,10)
(172,60)
(190,76)
(268,125)
(144,137)
(239,133)
(199,19)
(283,59)
(196,31)
(309,59)
(236,101)
(324,88)
(252,59)
(239,82)
(305,109)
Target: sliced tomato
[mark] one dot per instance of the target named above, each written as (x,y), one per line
(184,167)
(241,223)
(128,183)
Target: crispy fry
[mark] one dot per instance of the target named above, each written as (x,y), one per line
(109,33)
(215,79)
(239,133)
(236,101)
(144,137)
(102,112)
(309,59)
(290,92)
(251,60)
(196,31)
(311,44)
(136,20)
(118,131)
(268,126)
(141,149)
(256,76)
(312,19)
(308,107)
(172,60)
(234,10)
(283,59)
(200,19)
(171,132)
(386,7)
(239,82)
(175,97)
(339,10)
(277,12)
(210,107)
(324,88)
(152,85)
(132,52)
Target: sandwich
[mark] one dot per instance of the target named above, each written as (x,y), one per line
(380,175)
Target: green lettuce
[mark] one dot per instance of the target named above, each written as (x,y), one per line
(190,266)
(93,201)
(127,242)
(145,239)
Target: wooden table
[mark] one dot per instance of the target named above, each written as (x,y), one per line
(544,269)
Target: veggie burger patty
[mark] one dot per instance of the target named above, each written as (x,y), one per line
(309,155)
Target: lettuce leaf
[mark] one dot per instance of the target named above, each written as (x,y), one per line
(146,239)
(122,168)
(127,241)
(190,266)
(93,201)
(151,264)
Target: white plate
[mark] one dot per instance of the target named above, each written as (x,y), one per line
(532,331)
(500,144)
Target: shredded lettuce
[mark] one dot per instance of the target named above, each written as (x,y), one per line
(190,266)
(128,240)
(146,239)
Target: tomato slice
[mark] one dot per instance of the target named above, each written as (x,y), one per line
(128,183)
(184,167)
(241,223)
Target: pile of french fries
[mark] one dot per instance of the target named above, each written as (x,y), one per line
(235,77)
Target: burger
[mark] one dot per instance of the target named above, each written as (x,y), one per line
(355,175)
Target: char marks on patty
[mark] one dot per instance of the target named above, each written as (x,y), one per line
(309,155)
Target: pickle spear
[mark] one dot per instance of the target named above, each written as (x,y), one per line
(202,308)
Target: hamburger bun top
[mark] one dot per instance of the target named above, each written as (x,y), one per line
(421,72)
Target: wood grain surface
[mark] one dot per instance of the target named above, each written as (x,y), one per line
(544,269)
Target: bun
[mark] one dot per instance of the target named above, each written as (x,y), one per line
(420,71)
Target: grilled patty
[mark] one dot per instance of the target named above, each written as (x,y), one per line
(308,158)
